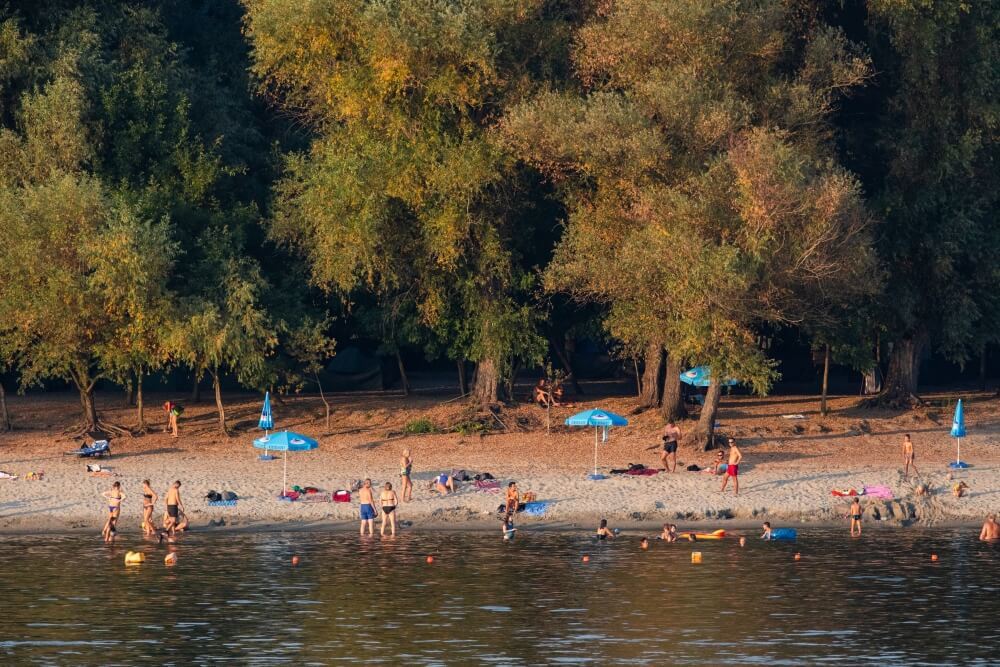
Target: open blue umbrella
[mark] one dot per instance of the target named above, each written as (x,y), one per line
(958,432)
(701,376)
(266,422)
(601,420)
(285,441)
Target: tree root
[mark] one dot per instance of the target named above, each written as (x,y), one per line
(894,401)
(101,427)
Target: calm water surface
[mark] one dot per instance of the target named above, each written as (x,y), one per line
(236,599)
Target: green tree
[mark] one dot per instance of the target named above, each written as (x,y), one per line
(694,162)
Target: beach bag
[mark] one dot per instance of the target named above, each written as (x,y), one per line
(213,496)
(693,468)
(229,495)
(341,496)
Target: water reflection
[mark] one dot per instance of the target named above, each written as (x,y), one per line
(237,598)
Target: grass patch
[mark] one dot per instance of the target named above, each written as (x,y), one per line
(419,426)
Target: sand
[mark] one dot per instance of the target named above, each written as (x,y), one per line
(789,469)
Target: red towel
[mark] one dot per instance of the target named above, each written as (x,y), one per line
(645,472)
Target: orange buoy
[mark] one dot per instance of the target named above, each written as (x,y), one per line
(430,559)
(798,556)
(295,560)
(934,558)
(586,559)
(695,556)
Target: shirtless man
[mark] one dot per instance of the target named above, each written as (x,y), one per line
(513,499)
(368,513)
(174,507)
(908,457)
(671,436)
(991,529)
(733,468)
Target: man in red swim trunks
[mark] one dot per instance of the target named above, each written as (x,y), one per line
(733,469)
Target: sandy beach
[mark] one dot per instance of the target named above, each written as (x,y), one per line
(789,469)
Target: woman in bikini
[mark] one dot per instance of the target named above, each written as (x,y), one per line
(603,532)
(149,498)
(114,496)
(405,468)
(388,501)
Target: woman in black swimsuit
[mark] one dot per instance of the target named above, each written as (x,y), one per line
(388,500)
(149,498)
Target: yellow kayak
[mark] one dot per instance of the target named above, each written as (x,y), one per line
(714,535)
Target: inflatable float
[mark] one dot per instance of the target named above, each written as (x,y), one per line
(783,534)
(714,535)
(134,557)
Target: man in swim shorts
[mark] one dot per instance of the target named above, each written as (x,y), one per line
(991,529)
(733,468)
(368,513)
(174,507)
(671,436)
(908,457)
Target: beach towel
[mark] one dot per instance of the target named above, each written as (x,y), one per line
(645,472)
(7,475)
(842,493)
(537,508)
(315,498)
(488,485)
(880,491)
(222,503)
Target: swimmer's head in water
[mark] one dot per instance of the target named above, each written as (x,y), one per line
(604,523)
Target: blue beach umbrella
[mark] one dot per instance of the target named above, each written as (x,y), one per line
(701,376)
(266,422)
(601,420)
(958,432)
(285,441)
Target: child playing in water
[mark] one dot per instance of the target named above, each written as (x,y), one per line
(855,515)
(603,532)
(507,527)
(767,531)
(669,533)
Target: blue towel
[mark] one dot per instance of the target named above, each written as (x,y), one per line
(222,503)
(537,508)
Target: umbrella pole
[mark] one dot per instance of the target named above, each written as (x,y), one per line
(958,452)
(284,479)
(595,450)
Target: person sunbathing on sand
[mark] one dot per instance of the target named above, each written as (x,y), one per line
(443,484)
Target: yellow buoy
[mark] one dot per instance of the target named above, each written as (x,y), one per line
(134,557)
(695,556)
(170,559)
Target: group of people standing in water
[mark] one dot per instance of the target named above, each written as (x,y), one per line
(174,518)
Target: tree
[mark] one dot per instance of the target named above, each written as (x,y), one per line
(928,157)
(403,187)
(694,161)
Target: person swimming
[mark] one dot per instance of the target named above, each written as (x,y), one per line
(990,530)
(669,533)
(507,527)
(603,532)
(767,531)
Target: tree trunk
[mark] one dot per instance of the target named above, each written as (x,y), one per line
(5,423)
(89,406)
(196,388)
(326,403)
(826,381)
(484,393)
(704,432)
(564,360)
(129,393)
(218,401)
(463,387)
(982,367)
(672,405)
(903,375)
(402,374)
(140,413)
(653,359)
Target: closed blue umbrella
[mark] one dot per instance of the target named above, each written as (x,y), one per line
(266,422)
(601,420)
(701,376)
(958,432)
(286,441)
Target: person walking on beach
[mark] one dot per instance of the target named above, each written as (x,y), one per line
(733,468)
(855,514)
(405,468)
(368,512)
(991,529)
(173,411)
(114,496)
(174,508)
(671,436)
(389,501)
(908,457)
(513,500)
(148,503)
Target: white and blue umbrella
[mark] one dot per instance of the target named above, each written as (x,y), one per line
(601,420)
(266,422)
(958,432)
(701,376)
(285,441)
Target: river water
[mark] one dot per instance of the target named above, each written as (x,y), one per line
(237,599)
